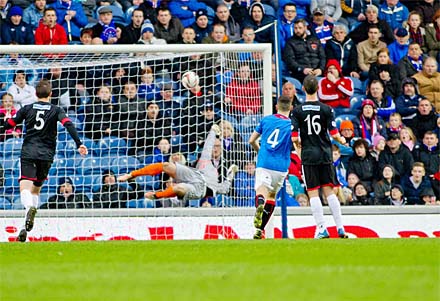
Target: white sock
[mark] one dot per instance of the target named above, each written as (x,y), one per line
(318,212)
(26,198)
(35,200)
(335,208)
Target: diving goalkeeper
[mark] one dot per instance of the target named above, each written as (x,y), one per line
(189,183)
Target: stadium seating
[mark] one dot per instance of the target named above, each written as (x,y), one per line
(342,117)
(110,146)
(11,148)
(88,166)
(5,203)
(126,164)
(63,166)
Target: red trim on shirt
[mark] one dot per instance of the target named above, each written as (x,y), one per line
(281,116)
(272,202)
(65,120)
(334,132)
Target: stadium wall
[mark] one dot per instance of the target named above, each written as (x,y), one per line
(216,223)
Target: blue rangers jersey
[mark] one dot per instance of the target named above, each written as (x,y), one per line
(275,142)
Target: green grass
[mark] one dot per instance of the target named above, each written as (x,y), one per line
(305,270)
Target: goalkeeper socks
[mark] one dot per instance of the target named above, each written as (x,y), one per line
(267,212)
(35,200)
(318,212)
(26,199)
(259,200)
(149,170)
(167,193)
(335,208)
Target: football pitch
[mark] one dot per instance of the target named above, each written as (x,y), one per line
(306,270)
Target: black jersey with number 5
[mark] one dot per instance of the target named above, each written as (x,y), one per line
(314,121)
(41,129)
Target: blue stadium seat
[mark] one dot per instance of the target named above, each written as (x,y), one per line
(16,203)
(12,147)
(269,11)
(5,203)
(229,118)
(145,203)
(89,166)
(63,166)
(248,123)
(356,102)
(358,85)
(85,183)
(105,163)
(11,185)
(147,183)
(110,145)
(342,117)
(67,148)
(125,164)
(11,167)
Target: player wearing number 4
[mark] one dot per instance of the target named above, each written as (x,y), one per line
(272,162)
(39,147)
(312,120)
(189,183)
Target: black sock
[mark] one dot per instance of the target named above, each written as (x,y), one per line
(267,212)
(259,200)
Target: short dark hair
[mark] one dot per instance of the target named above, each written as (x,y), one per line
(310,84)
(43,88)
(374,26)
(284,103)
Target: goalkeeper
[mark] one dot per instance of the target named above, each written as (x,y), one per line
(189,183)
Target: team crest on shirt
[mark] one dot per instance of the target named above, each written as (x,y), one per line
(314,46)
(348,47)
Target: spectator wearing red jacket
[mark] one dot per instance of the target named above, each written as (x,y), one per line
(49,32)
(335,89)
(243,93)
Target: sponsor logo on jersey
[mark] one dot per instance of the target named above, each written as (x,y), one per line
(38,106)
(311,108)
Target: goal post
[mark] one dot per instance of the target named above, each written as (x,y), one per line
(111,130)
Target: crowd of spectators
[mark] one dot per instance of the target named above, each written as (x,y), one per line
(377,61)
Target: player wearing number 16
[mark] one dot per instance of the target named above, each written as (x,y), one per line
(272,162)
(314,120)
(39,147)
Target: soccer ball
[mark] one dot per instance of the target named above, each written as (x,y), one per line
(189,79)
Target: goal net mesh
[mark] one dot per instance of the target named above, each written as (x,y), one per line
(131,109)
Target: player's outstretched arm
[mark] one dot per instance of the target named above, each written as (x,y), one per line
(82,149)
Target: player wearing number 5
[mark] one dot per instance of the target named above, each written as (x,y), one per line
(272,162)
(39,147)
(314,120)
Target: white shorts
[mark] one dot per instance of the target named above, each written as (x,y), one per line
(271,179)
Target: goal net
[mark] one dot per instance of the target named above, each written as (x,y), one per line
(132,107)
